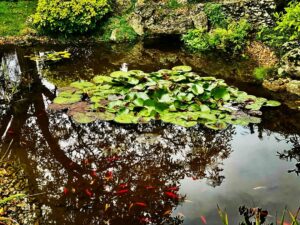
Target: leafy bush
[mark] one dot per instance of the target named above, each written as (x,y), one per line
(73,16)
(288,23)
(287,28)
(123,32)
(215,15)
(197,40)
(231,40)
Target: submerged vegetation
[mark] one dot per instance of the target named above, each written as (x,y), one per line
(176,96)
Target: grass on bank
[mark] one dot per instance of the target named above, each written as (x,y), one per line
(13,16)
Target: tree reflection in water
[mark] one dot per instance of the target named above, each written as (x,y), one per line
(292,154)
(105,171)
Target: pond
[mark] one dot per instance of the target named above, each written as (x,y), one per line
(156,173)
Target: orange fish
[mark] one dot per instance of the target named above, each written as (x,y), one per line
(142,204)
(203,219)
(171,194)
(66,190)
(88,192)
(121,192)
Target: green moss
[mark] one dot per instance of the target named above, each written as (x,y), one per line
(173,4)
(13,16)
(261,73)
(118,30)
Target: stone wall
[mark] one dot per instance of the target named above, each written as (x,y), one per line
(155,19)
(258,12)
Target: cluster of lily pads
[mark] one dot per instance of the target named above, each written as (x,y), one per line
(176,96)
(50,56)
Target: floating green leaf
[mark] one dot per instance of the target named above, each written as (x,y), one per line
(84,117)
(102,79)
(272,103)
(182,68)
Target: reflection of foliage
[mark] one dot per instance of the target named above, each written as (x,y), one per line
(8,87)
(50,56)
(293,153)
(253,216)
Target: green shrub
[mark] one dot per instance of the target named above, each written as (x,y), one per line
(287,27)
(289,23)
(197,40)
(233,39)
(215,15)
(68,17)
(123,32)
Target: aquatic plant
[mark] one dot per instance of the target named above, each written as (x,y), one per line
(176,96)
(50,56)
(258,216)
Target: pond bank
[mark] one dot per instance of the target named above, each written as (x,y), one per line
(14,183)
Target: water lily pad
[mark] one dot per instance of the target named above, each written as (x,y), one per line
(182,68)
(197,89)
(67,99)
(84,117)
(126,118)
(272,103)
(219,125)
(118,74)
(184,123)
(174,96)
(102,79)
(82,84)
(220,93)
(105,116)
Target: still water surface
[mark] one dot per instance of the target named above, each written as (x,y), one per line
(144,174)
